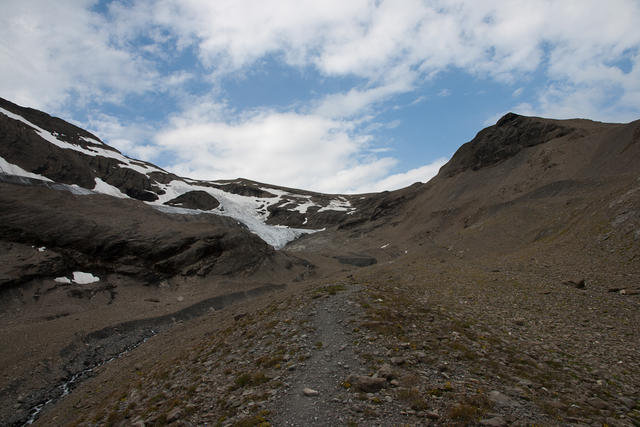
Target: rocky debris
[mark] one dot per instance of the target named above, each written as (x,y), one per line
(625,291)
(580,284)
(494,422)
(21,262)
(386,371)
(397,360)
(174,415)
(500,399)
(80,358)
(475,346)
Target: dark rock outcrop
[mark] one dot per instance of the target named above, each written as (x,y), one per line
(65,131)
(195,200)
(246,188)
(505,139)
(356,260)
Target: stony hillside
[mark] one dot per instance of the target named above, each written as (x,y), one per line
(505,291)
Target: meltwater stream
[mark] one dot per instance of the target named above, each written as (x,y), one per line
(68,385)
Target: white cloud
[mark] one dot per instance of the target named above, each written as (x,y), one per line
(59,53)
(124,137)
(394,45)
(299,150)
(294,149)
(401,180)
(54,52)
(54,49)
(358,101)
(418,100)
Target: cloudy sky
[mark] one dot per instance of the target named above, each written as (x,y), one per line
(331,95)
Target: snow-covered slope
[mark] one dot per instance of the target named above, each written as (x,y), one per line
(76,158)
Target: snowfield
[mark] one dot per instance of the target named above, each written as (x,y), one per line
(104,188)
(251,211)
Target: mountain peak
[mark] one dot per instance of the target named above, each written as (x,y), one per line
(510,135)
(507,118)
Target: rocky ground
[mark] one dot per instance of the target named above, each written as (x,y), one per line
(450,342)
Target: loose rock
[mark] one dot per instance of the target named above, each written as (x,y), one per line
(310,392)
(366,384)
(495,422)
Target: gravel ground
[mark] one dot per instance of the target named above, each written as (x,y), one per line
(452,343)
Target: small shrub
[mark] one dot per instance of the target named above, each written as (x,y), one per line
(249,379)
(256,420)
(242,380)
(464,412)
(413,398)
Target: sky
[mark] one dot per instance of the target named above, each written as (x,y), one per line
(333,96)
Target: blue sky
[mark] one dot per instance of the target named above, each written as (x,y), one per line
(331,96)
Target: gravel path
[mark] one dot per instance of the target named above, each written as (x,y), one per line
(332,359)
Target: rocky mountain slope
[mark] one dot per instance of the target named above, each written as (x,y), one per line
(38,146)
(503,291)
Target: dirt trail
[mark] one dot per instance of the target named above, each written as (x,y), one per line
(332,360)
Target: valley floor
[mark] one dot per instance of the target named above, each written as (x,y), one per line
(408,342)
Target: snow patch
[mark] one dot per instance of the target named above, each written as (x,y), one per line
(83,278)
(76,189)
(11,169)
(339,204)
(79,277)
(42,249)
(91,140)
(104,188)
(303,207)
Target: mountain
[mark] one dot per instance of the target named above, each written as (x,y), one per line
(513,271)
